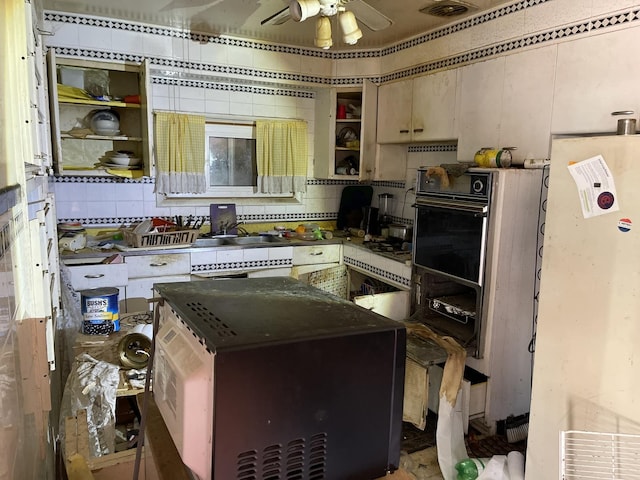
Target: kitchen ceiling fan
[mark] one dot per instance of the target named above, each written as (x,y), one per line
(300,10)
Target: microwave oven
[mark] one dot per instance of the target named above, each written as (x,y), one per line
(269,378)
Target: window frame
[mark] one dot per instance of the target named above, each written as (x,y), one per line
(233,129)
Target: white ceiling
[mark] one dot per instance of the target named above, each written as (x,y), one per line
(241,18)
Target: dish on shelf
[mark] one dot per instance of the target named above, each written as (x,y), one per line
(106,133)
(347,134)
(121,157)
(115,166)
(105,122)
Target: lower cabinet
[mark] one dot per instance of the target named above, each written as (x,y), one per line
(87,274)
(146,270)
(140,290)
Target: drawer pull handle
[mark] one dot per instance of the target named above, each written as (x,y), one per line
(404,131)
(162,264)
(418,130)
(94,275)
(315,254)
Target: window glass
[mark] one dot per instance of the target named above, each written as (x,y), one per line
(232,161)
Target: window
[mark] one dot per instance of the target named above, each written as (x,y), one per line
(230,159)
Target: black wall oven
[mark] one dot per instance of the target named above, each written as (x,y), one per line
(449,252)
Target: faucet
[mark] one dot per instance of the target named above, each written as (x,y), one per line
(226,226)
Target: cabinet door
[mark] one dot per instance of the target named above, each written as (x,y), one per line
(527,103)
(584,97)
(434,103)
(481,107)
(139,290)
(394,112)
(368,130)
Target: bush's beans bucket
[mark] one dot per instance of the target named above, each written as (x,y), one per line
(99,307)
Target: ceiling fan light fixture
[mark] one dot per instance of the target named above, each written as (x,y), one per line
(323,33)
(350,30)
(300,10)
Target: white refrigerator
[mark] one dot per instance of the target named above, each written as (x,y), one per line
(586,373)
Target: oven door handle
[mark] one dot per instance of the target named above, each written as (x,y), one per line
(458,205)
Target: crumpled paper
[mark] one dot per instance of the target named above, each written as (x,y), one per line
(92,385)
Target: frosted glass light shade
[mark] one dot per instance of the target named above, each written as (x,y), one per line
(323,33)
(300,10)
(350,29)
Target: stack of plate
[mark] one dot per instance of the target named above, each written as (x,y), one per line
(70,229)
(121,160)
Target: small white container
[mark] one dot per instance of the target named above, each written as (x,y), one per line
(71,76)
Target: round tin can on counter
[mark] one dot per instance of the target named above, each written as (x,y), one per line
(99,307)
(494,158)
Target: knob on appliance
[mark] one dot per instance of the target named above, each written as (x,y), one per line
(479,185)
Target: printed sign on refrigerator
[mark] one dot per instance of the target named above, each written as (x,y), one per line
(596,188)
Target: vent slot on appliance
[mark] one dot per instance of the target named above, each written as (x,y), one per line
(218,327)
(296,461)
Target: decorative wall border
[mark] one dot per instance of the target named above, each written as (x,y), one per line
(246,218)
(397,279)
(89,179)
(540,38)
(151,180)
(244,265)
(232,87)
(464,24)
(445,147)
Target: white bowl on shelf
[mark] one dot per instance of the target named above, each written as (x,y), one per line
(105,122)
(125,161)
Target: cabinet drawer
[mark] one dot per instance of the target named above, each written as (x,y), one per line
(84,277)
(156,265)
(139,290)
(311,254)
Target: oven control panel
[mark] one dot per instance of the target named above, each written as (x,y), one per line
(470,185)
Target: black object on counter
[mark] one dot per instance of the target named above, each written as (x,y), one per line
(354,198)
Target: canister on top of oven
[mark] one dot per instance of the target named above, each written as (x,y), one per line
(494,158)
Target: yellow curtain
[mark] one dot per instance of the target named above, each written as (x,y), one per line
(180,145)
(282,155)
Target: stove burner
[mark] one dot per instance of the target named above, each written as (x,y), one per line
(390,250)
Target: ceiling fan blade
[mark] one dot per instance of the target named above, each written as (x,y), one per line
(277,18)
(371,17)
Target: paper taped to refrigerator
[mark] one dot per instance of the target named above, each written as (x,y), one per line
(596,186)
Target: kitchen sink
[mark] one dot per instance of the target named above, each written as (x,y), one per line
(211,242)
(250,240)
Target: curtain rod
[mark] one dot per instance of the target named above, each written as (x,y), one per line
(217,121)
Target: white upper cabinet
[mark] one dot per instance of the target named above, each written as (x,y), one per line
(120,88)
(345,132)
(394,112)
(480,107)
(527,103)
(433,108)
(594,77)
(421,109)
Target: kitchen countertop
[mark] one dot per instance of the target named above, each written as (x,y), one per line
(91,253)
(128,251)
